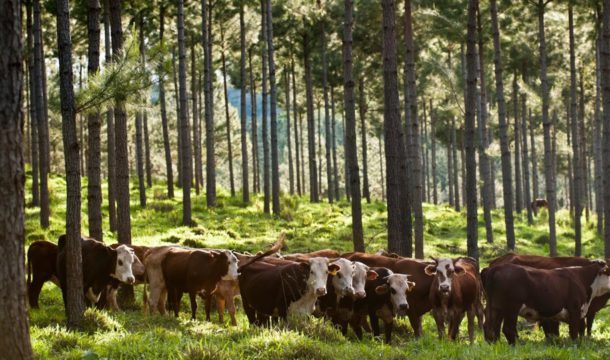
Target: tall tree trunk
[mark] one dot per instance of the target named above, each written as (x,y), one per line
(381,179)
(483,141)
(110,136)
(288,140)
(363,109)
(303,182)
(245,186)
(33,108)
(351,153)
(456,183)
(121,153)
(94,177)
(139,132)
(345,164)
(327,124)
(227,115)
(210,184)
(254,120)
(414,142)
(73,295)
(505,151)
(549,159)
(396,162)
(469,132)
(15,342)
(534,157)
(177,102)
(319,153)
(517,136)
(147,163)
(43,130)
(605,86)
(196,132)
(275,159)
(583,151)
(81,125)
(577,170)
(334,145)
(433,153)
(296,128)
(166,145)
(264,122)
(449,149)
(525,161)
(186,172)
(311,138)
(597,135)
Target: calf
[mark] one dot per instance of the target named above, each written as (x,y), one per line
(101,264)
(455,290)
(551,327)
(283,288)
(539,203)
(562,294)
(338,303)
(386,296)
(419,298)
(42,267)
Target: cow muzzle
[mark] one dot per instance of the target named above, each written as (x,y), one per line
(360,295)
(444,289)
(130,280)
(402,309)
(321,291)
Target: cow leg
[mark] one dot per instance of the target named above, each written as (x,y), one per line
(374,322)
(550,328)
(356,323)
(470,315)
(510,325)
(250,312)
(208,305)
(590,318)
(415,321)
(388,326)
(161,302)
(455,319)
(439,319)
(220,307)
(193,297)
(574,325)
(230,302)
(34,289)
(111,294)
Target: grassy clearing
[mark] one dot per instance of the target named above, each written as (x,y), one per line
(308,227)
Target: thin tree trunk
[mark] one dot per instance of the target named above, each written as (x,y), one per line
(296,128)
(227,115)
(456,183)
(303,182)
(311,138)
(505,151)
(425,154)
(111,146)
(583,151)
(254,120)
(525,161)
(164,123)
(599,171)
(94,178)
(382,180)
(492,170)
(209,104)
(288,141)
(147,163)
(450,172)
(433,153)
(264,123)
(534,157)
(517,136)
(327,125)
(33,108)
(139,133)
(73,295)
(196,122)
(351,152)
(363,109)
(334,145)
(184,121)
(319,153)
(14,327)
(275,159)
(245,186)
(81,124)
(177,102)
(345,164)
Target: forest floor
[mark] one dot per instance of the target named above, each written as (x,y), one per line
(131,334)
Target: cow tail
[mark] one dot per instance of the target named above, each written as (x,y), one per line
(275,248)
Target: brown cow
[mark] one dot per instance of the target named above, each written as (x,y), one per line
(419,297)
(455,290)
(109,296)
(562,294)
(550,327)
(539,203)
(42,264)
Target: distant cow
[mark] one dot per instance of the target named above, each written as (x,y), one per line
(456,290)
(539,203)
(419,298)
(562,294)
(101,264)
(551,327)
(386,297)
(42,265)
(283,287)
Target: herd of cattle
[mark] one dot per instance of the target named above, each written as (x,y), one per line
(344,288)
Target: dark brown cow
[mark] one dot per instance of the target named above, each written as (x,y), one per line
(108,299)
(419,297)
(455,290)
(42,265)
(539,203)
(562,294)
(550,327)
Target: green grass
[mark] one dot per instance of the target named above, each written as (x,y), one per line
(131,334)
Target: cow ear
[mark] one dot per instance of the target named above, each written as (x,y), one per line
(410,285)
(459,270)
(304,266)
(382,289)
(371,275)
(333,269)
(430,270)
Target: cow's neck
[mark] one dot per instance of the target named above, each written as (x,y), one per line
(304,305)
(592,278)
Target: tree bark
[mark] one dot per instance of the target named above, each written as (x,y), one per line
(254,120)
(15,341)
(110,137)
(456,183)
(275,160)
(363,109)
(210,164)
(245,186)
(517,136)
(549,158)
(327,123)
(334,145)
(227,116)
(534,157)
(264,122)
(288,138)
(164,122)
(433,153)
(525,161)
(177,102)
(196,122)
(186,172)
(33,108)
(605,86)
(597,136)
(296,127)
(311,137)
(505,151)
(73,295)
(351,150)
(139,132)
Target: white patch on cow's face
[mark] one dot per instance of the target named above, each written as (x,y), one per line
(444,272)
(343,279)
(399,286)
(124,261)
(359,280)
(318,274)
(232,260)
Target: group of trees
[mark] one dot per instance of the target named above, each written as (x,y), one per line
(439,84)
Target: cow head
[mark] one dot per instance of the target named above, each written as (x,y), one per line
(342,280)
(232,262)
(319,269)
(362,273)
(397,285)
(125,258)
(444,269)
